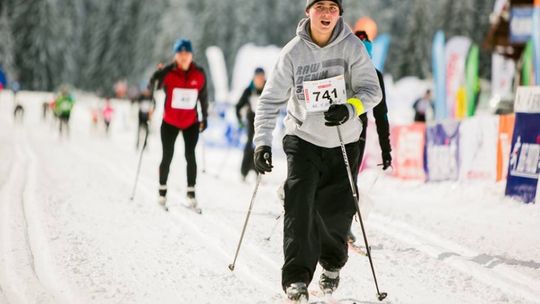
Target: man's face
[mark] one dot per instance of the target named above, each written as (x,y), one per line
(324,16)
(259,80)
(183,59)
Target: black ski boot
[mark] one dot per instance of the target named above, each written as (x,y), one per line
(329,281)
(162,200)
(298,292)
(191,200)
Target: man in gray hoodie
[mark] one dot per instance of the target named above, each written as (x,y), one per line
(325,82)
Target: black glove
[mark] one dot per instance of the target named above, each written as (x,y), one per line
(263,159)
(203,125)
(336,115)
(386,160)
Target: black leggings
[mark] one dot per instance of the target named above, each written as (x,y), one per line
(168,138)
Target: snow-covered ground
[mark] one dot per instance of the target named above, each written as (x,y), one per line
(70,234)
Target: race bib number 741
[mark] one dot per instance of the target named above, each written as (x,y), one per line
(320,94)
(184,98)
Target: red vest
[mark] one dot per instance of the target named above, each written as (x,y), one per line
(193,78)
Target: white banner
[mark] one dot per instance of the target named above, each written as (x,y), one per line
(218,71)
(502,75)
(527,100)
(478,148)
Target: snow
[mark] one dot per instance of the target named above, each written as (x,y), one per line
(70,234)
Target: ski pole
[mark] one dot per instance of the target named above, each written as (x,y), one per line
(275,226)
(143,147)
(231,266)
(139,164)
(383,295)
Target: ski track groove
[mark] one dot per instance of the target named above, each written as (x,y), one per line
(433,241)
(144,266)
(501,277)
(154,255)
(207,217)
(20,176)
(250,276)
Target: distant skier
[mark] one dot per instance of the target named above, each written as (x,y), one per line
(185,88)
(248,101)
(422,107)
(18,109)
(107,114)
(18,112)
(146,105)
(63,105)
(315,226)
(44,109)
(380,113)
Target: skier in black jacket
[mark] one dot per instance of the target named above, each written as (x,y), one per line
(249,102)
(380,112)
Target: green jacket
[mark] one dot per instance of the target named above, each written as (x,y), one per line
(63,105)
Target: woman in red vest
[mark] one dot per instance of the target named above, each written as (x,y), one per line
(184,84)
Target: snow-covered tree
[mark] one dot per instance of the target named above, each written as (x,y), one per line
(92,44)
(7,44)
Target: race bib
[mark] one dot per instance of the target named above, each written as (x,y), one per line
(320,94)
(185,99)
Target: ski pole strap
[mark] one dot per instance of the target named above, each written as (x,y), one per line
(357,104)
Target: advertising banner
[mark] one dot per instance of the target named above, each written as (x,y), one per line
(478,148)
(408,144)
(524,164)
(456,53)
(439,76)
(380,51)
(472,80)
(521,24)
(502,75)
(504,141)
(442,151)
(536,41)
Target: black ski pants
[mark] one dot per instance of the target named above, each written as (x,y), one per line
(142,129)
(319,208)
(247,160)
(168,138)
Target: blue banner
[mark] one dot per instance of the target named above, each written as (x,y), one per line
(442,151)
(439,76)
(380,51)
(524,164)
(521,24)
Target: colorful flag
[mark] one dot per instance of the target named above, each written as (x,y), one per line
(439,76)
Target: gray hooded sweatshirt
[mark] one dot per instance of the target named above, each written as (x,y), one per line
(303,60)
